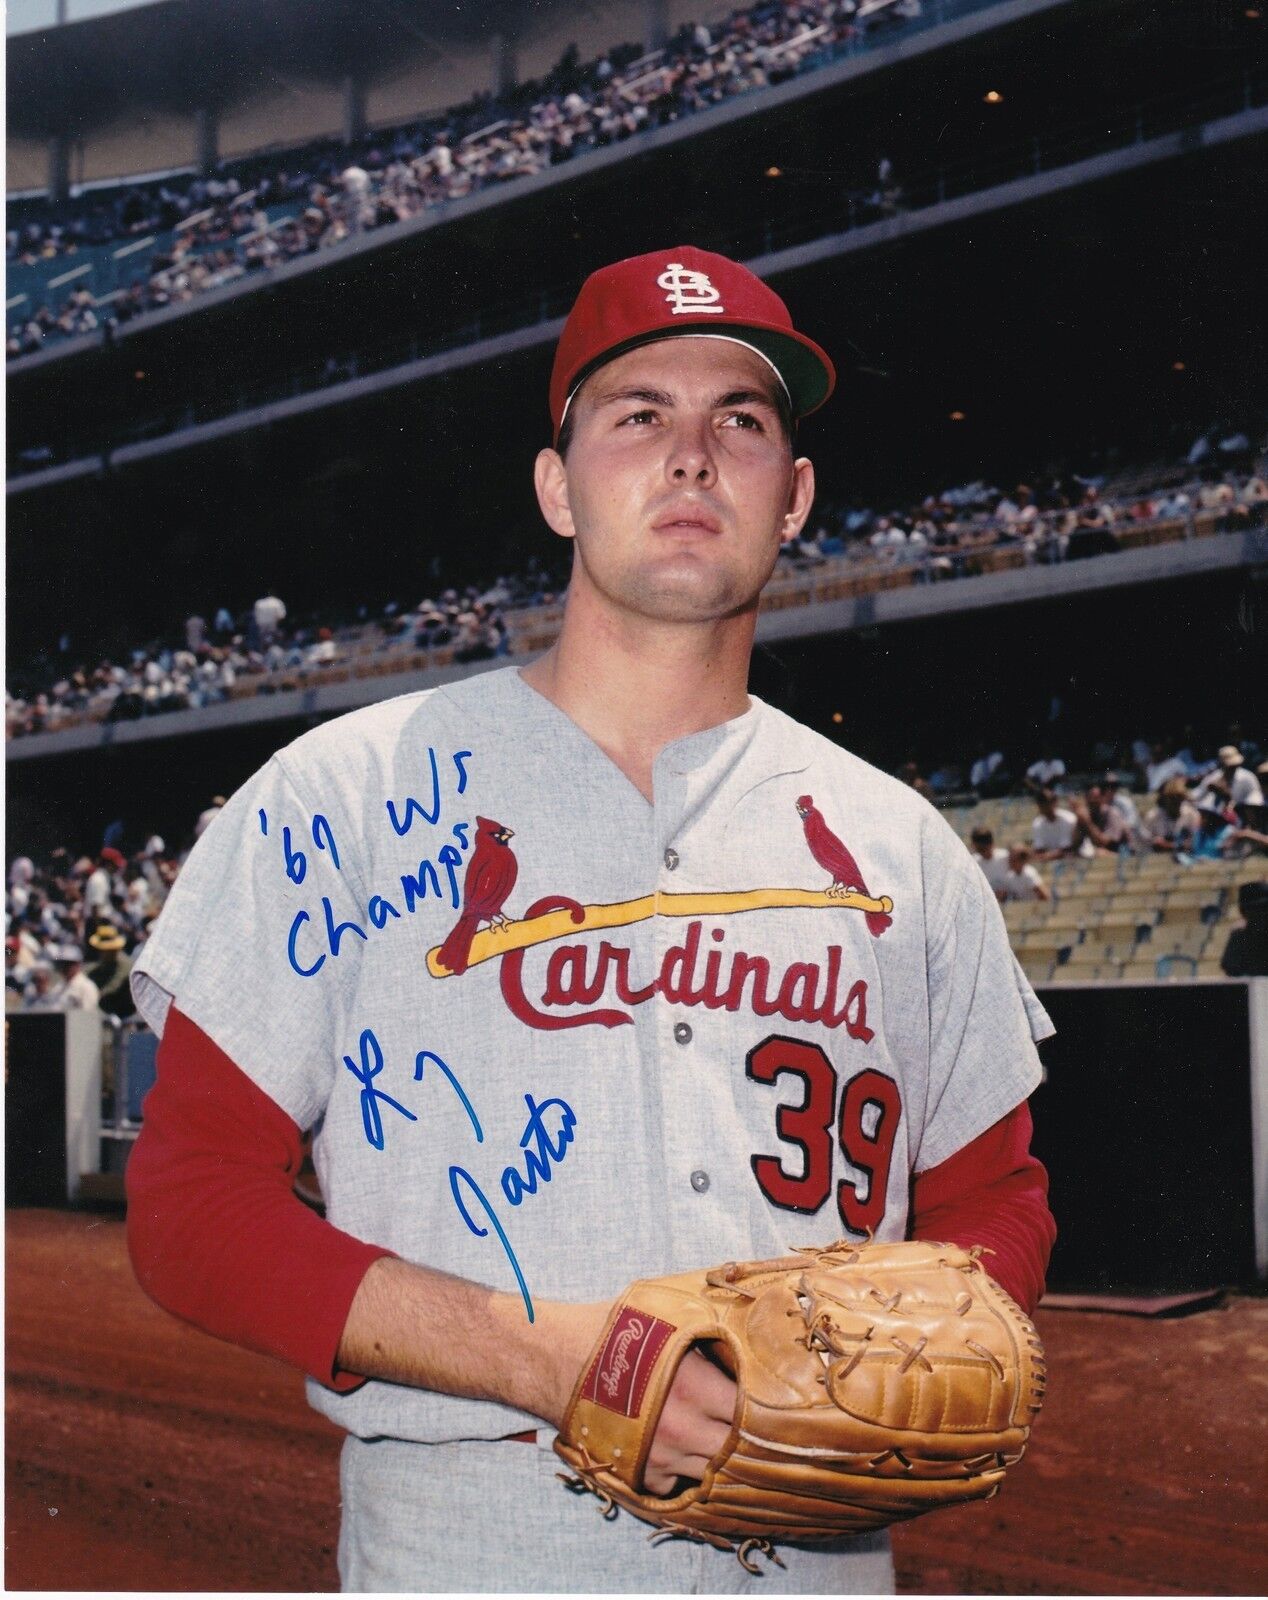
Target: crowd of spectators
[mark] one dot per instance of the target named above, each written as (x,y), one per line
(1231,773)
(202,666)
(73,926)
(1204,807)
(221,229)
(942,537)
(1066,518)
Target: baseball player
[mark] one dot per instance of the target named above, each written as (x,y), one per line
(582,972)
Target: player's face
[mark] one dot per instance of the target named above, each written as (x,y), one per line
(679,486)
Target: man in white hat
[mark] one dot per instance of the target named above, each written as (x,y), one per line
(1232,781)
(42,992)
(78,992)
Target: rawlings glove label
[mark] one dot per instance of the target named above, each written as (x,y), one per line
(618,1377)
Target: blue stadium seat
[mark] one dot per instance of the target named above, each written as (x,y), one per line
(140,1055)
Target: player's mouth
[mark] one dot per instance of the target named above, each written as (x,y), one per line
(687,521)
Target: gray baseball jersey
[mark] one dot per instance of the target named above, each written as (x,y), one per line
(554,1037)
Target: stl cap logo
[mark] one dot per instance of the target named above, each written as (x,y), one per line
(689,291)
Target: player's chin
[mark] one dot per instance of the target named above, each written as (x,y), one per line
(694,596)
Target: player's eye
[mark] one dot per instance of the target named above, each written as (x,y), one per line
(646,415)
(745,421)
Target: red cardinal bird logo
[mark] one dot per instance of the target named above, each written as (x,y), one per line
(491,875)
(833,857)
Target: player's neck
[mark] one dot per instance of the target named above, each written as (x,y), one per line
(635,691)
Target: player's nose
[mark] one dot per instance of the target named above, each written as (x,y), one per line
(690,457)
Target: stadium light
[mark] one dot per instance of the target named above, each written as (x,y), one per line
(837,717)
(957,416)
(993,97)
(774,172)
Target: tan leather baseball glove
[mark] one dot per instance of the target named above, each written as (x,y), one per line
(876,1382)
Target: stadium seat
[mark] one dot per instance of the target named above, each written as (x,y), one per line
(1103,867)
(1072,917)
(1199,874)
(1187,941)
(1119,917)
(1189,905)
(1159,865)
(1087,972)
(1038,934)
(1084,889)
(1095,947)
(1087,913)
(1042,956)
(140,1054)
(1137,900)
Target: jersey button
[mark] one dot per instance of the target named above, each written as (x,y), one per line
(699,1180)
(671,859)
(682,1032)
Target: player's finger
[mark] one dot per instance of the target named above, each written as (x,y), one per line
(661,1480)
(677,1456)
(714,1392)
(710,1439)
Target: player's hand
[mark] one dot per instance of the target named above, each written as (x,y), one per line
(697,1413)
(693,1425)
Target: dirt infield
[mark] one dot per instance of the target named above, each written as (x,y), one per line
(142,1455)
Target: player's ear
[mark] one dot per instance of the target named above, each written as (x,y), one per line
(801,496)
(550,479)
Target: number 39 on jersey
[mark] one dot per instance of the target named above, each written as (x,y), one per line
(861,1120)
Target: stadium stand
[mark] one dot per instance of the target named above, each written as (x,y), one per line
(253,216)
(185,237)
(962,532)
(1126,915)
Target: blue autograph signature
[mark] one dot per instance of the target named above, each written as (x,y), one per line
(514,1186)
(310,941)
(550,1129)
(366,1071)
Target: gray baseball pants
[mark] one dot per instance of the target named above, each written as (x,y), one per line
(492,1517)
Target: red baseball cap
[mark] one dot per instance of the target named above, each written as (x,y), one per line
(684,291)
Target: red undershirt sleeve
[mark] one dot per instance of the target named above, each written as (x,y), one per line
(993,1192)
(215,1232)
